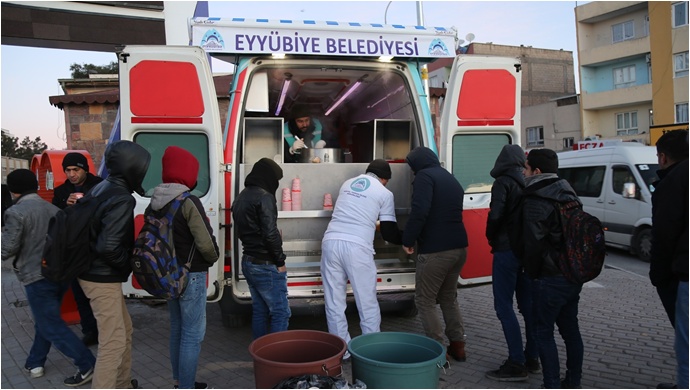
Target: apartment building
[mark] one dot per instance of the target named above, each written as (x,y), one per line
(633,59)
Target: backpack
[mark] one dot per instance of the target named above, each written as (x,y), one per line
(583,249)
(154,262)
(67,252)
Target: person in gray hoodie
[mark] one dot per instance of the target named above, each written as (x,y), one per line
(193,237)
(507,273)
(23,237)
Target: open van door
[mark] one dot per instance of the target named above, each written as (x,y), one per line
(481,113)
(167,97)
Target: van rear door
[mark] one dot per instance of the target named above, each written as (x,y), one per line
(167,97)
(480,115)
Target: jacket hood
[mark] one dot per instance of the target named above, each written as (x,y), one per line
(510,162)
(128,161)
(164,193)
(421,158)
(265,174)
(550,186)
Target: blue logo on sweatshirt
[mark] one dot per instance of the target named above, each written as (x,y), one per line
(360,185)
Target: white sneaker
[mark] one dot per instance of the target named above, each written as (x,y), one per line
(35,372)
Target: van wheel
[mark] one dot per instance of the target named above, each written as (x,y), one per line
(643,245)
(233,313)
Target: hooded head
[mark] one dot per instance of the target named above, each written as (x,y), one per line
(180,166)
(510,161)
(22,182)
(74,159)
(128,161)
(544,159)
(380,168)
(422,157)
(265,174)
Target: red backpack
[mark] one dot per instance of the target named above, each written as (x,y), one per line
(583,248)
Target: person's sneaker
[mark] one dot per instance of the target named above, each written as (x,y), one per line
(79,379)
(197,385)
(35,372)
(533,366)
(509,372)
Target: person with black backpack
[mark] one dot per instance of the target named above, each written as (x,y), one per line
(22,243)
(195,247)
(554,298)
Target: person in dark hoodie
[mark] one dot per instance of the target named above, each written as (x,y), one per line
(79,182)
(668,269)
(255,216)
(193,236)
(112,244)
(508,278)
(435,225)
(554,299)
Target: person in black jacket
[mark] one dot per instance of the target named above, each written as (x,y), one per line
(435,225)
(79,182)
(255,216)
(507,273)
(554,299)
(668,269)
(112,243)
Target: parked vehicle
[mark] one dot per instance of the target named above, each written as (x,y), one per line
(614,183)
(369,108)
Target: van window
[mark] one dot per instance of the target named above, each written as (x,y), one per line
(586,181)
(474,155)
(157,142)
(648,173)
(621,175)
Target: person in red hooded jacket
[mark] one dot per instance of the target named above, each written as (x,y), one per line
(193,236)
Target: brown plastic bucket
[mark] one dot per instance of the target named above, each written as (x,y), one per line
(282,355)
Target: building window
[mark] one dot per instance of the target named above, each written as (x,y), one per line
(535,136)
(682,113)
(680,64)
(623,31)
(568,142)
(680,14)
(626,123)
(624,77)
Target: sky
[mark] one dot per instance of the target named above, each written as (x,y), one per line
(30,75)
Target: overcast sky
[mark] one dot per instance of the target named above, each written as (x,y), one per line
(29,75)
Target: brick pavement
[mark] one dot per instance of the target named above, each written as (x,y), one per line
(628,340)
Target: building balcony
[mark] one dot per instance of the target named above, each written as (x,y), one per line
(608,53)
(616,97)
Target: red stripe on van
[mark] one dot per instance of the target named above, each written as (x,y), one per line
(487,122)
(167,120)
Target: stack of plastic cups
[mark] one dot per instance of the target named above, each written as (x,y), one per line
(327,202)
(287,200)
(296,195)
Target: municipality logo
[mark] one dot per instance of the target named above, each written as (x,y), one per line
(360,185)
(212,40)
(437,48)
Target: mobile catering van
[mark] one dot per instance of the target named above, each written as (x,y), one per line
(364,84)
(614,182)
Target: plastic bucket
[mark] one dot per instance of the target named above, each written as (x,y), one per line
(282,355)
(396,360)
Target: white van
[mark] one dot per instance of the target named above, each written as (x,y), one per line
(614,184)
(369,106)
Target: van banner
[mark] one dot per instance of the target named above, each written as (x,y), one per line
(317,38)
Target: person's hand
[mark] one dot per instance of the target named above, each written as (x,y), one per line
(73,197)
(320,145)
(282,269)
(408,250)
(299,144)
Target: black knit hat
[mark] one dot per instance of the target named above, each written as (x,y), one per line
(380,168)
(544,159)
(74,159)
(22,181)
(299,111)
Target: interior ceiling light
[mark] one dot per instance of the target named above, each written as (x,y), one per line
(385,58)
(343,97)
(283,92)
(278,55)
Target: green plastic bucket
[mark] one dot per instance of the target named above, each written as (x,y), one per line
(396,360)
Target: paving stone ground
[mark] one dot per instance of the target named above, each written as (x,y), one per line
(627,337)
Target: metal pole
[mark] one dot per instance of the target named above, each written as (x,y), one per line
(424,70)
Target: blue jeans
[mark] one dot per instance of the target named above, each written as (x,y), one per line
(682,335)
(187,329)
(270,308)
(45,299)
(555,301)
(509,280)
